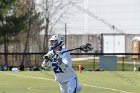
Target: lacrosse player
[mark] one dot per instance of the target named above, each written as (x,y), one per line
(61,65)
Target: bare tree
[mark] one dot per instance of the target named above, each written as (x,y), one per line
(33,28)
(53,12)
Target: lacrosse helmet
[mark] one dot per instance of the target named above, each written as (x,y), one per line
(56,41)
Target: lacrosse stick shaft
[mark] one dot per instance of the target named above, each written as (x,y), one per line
(85,48)
(70,50)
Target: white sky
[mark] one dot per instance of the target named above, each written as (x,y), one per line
(123,14)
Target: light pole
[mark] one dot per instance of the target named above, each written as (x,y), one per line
(65,35)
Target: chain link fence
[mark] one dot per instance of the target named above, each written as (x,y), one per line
(89,61)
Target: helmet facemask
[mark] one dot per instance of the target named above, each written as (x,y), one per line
(56,41)
(53,42)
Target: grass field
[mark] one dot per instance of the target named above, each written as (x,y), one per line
(93,82)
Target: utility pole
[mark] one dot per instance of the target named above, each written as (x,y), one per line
(65,35)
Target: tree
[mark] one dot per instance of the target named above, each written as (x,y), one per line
(33,27)
(53,12)
(11,22)
(8,23)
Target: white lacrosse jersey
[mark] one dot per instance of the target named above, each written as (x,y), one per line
(65,72)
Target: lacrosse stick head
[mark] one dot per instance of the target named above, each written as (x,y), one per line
(45,65)
(87,47)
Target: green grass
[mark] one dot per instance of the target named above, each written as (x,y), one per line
(93,82)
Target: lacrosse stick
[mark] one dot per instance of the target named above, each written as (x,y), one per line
(87,47)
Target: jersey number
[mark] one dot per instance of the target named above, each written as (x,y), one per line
(56,68)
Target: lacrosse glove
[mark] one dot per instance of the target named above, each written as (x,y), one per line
(45,64)
(48,56)
(57,55)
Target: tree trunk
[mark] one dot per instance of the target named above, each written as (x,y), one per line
(45,42)
(5,49)
(25,49)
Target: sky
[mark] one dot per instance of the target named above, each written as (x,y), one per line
(98,16)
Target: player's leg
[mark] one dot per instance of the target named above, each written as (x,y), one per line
(63,87)
(79,88)
(73,86)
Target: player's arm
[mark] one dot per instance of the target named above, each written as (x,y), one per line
(46,59)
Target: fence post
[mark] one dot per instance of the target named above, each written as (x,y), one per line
(123,63)
(93,62)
